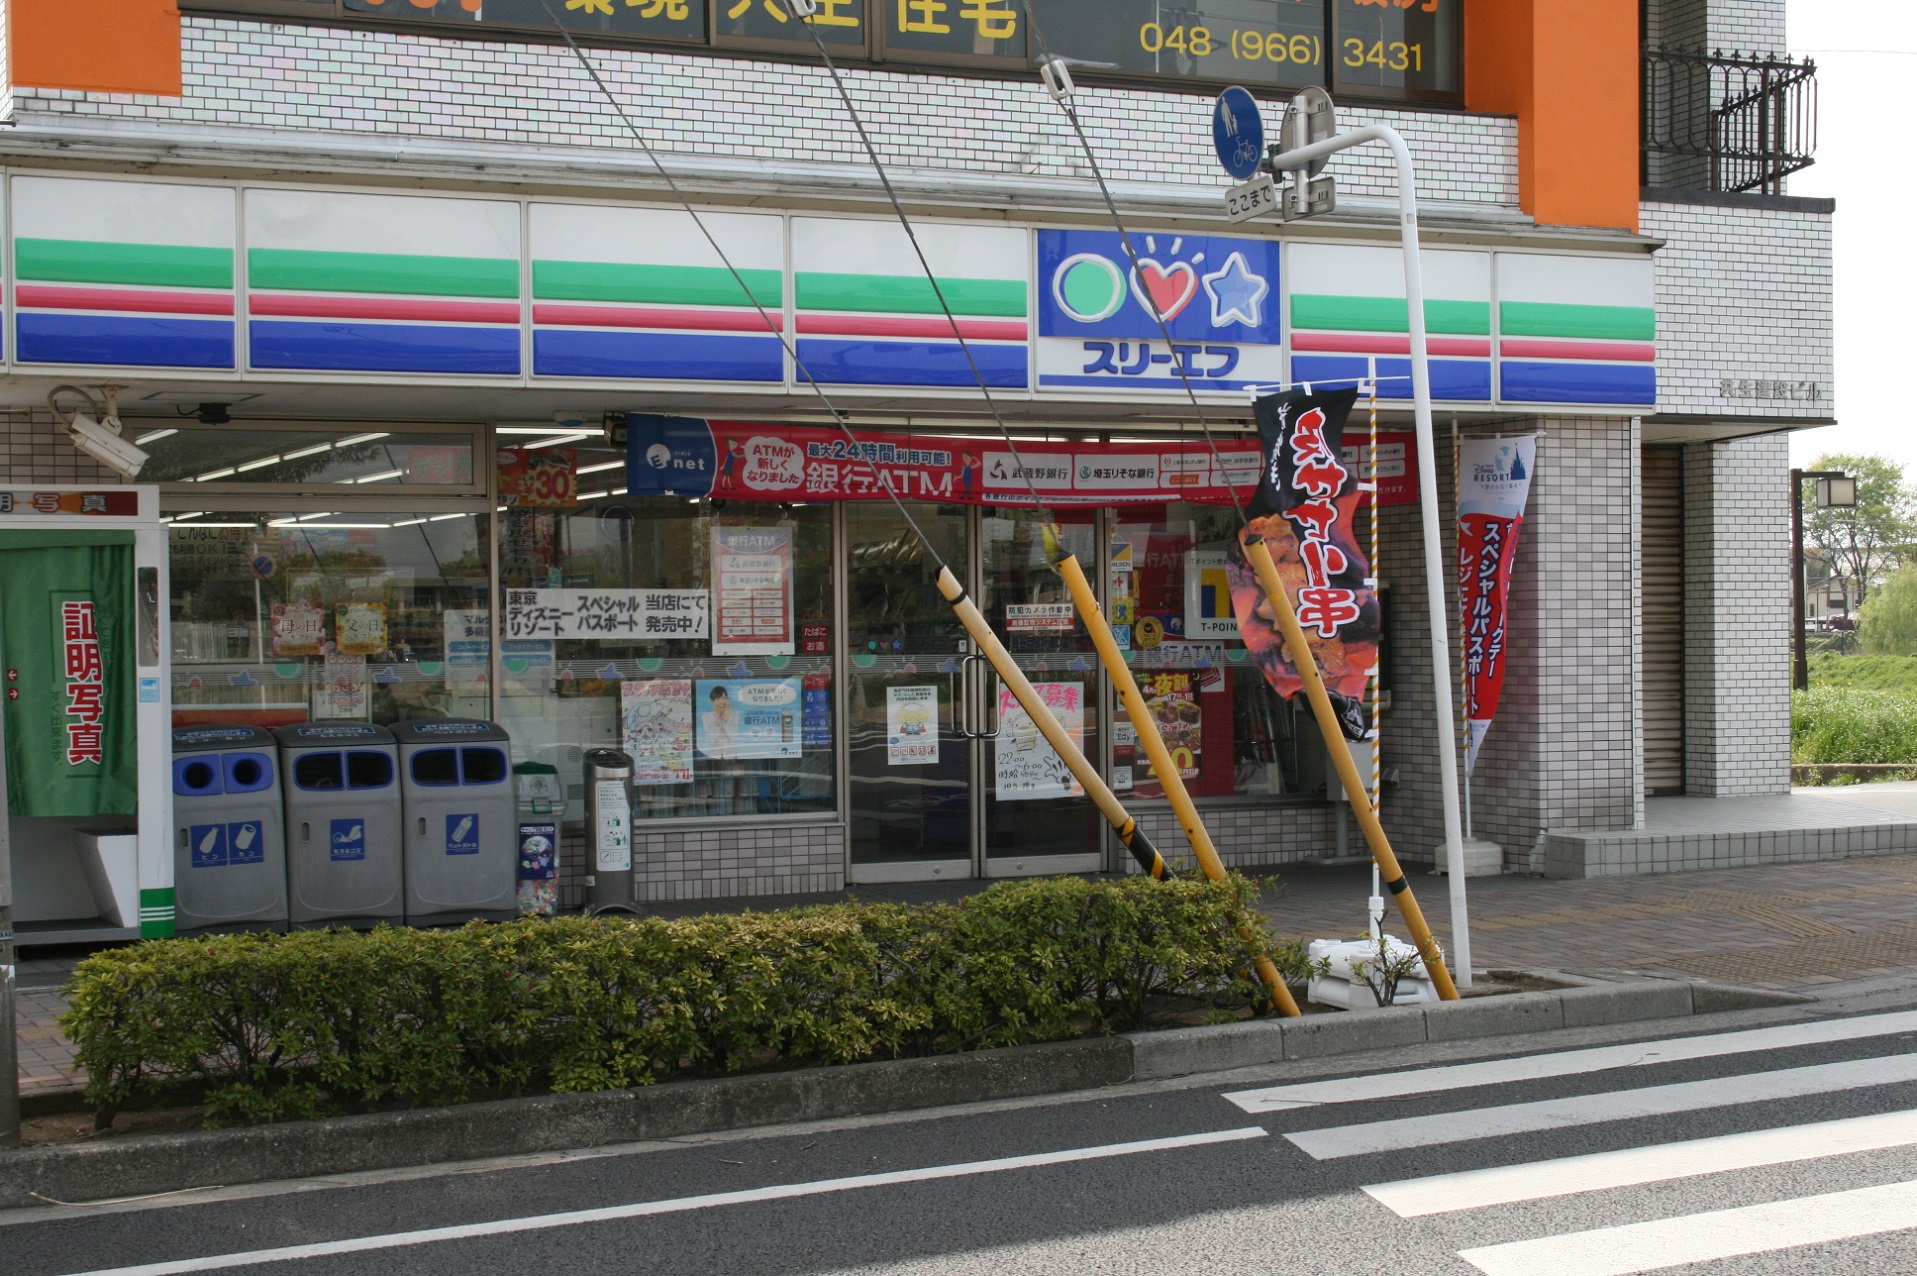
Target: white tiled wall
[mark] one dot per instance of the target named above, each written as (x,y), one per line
(1743,296)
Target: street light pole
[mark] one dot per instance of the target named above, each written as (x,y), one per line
(1840,492)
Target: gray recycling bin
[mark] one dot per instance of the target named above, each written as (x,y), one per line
(342,823)
(229,849)
(462,823)
(608,776)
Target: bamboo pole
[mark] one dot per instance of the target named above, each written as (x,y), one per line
(1135,839)
(1259,556)
(1154,745)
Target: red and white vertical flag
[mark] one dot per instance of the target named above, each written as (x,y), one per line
(1494,480)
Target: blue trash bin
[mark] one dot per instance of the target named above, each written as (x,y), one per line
(229,849)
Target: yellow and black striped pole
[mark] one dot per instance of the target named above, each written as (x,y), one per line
(1259,555)
(1014,678)
(1163,765)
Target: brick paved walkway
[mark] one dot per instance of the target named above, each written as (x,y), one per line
(1776,926)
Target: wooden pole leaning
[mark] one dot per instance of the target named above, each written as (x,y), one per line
(1154,745)
(1135,839)
(1259,556)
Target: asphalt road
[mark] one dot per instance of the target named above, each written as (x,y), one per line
(1793,1150)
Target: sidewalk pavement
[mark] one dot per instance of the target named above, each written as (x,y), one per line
(1787,926)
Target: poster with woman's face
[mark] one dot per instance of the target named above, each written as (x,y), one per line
(749,718)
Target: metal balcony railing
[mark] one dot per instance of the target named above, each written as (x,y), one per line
(1727,122)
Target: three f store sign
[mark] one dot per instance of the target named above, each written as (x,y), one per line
(1494,479)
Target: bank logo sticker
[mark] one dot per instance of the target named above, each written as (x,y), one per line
(1104,318)
(245,843)
(347,840)
(208,845)
(462,834)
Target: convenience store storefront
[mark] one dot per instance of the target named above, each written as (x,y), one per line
(774,652)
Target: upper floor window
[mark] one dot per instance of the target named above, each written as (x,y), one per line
(1390,49)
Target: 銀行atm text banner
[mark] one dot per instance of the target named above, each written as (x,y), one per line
(735,460)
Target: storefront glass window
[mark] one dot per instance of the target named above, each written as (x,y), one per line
(250,454)
(1171,608)
(280,618)
(695,636)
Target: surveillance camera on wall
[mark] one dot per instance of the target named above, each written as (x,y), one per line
(97,433)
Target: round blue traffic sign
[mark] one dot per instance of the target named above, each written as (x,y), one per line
(1238,132)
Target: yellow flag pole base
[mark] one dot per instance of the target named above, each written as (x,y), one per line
(1356,791)
(1154,744)
(1103,798)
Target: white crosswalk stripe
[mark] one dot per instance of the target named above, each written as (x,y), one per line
(1693,1172)
(1590,1109)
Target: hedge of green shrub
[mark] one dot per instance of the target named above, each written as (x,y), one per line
(1846,724)
(278,1027)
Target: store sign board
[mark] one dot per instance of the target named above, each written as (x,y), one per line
(1098,313)
(609,615)
(687,456)
(752,591)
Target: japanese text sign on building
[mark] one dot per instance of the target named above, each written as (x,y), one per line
(1306,509)
(615,615)
(80,649)
(1494,480)
(752,591)
(1098,313)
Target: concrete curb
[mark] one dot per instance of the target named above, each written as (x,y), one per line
(425,1136)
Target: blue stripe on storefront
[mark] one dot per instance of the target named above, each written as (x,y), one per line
(929,363)
(1466,380)
(333,346)
(147,341)
(1529,382)
(665,356)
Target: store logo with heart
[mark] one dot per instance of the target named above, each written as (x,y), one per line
(1170,288)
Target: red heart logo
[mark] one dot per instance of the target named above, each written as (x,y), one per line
(1170,290)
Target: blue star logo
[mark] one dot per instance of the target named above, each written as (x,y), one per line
(1235,292)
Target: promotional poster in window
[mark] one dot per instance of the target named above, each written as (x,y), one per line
(1306,510)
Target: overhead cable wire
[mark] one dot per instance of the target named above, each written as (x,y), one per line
(1064,101)
(775,327)
(938,290)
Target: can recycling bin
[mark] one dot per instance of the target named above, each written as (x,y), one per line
(229,845)
(542,807)
(608,776)
(342,823)
(462,827)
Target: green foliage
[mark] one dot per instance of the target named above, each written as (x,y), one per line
(1860,542)
(1842,724)
(1887,622)
(1874,673)
(281,1027)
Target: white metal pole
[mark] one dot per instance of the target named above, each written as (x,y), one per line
(1434,556)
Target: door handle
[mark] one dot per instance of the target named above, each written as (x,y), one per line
(974,670)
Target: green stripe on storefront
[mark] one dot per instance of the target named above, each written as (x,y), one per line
(1557,319)
(1388,314)
(654,285)
(156,913)
(405,273)
(901,294)
(87,261)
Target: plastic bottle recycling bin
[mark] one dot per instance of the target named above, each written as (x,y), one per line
(342,824)
(462,825)
(229,848)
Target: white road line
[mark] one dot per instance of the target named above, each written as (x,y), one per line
(678,1205)
(1702,1238)
(1567,1176)
(1391,1085)
(1614,1105)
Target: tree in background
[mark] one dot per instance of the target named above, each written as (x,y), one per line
(1887,623)
(1864,541)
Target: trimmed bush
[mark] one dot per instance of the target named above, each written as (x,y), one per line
(283,1027)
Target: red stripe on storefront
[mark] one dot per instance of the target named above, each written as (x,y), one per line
(901,326)
(1375,343)
(42,297)
(382,308)
(650,317)
(1614,351)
